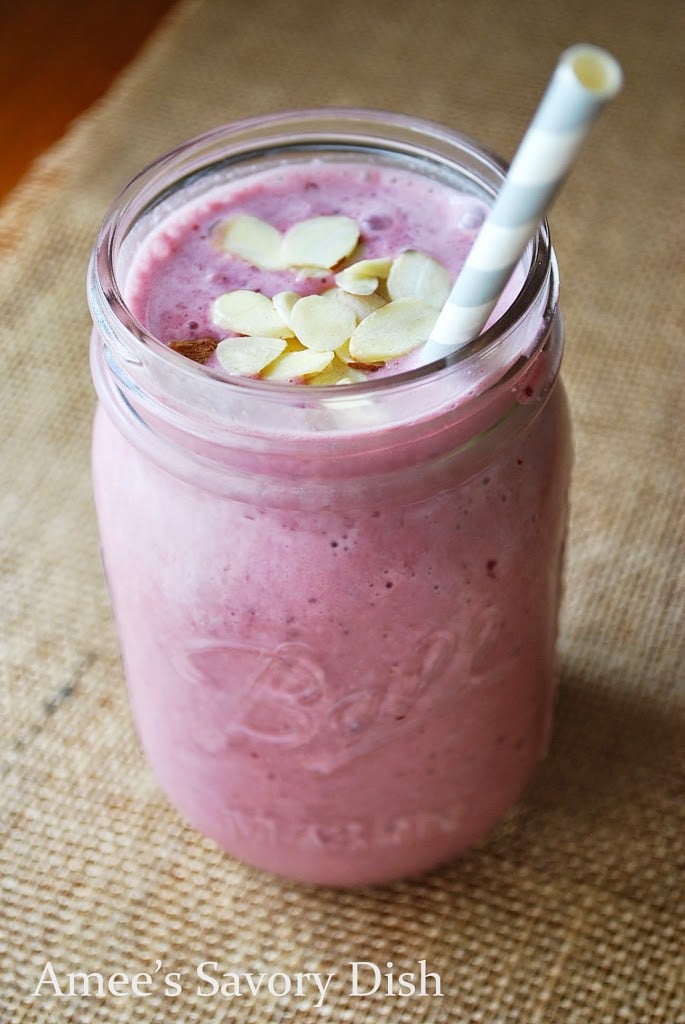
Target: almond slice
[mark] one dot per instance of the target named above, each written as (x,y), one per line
(343,354)
(320,241)
(248,356)
(416,275)
(392,331)
(356,284)
(298,366)
(320,323)
(247,312)
(254,240)
(362,277)
(361,305)
(337,373)
(312,273)
(283,304)
(197,349)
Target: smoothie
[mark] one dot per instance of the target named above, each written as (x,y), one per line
(385,239)
(336,604)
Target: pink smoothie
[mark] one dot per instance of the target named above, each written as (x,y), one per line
(339,629)
(181,269)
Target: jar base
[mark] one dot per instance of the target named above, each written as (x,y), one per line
(347,869)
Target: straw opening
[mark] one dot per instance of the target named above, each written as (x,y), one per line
(595,70)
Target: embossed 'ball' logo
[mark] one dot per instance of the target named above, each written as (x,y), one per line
(272,695)
(284,698)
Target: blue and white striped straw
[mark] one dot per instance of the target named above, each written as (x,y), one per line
(585,79)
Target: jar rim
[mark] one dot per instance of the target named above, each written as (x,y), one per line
(254,136)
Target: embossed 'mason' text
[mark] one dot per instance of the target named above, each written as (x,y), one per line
(351,835)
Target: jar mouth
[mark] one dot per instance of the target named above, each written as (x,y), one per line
(313,131)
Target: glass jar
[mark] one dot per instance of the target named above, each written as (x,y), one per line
(337,607)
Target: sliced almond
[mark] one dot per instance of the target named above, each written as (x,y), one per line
(254,240)
(283,304)
(298,366)
(248,356)
(392,331)
(416,275)
(312,273)
(343,354)
(248,312)
(321,324)
(337,373)
(355,284)
(362,277)
(361,305)
(377,266)
(320,241)
(197,349)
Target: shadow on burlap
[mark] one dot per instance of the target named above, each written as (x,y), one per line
(572,911)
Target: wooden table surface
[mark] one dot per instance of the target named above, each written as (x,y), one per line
(56,58)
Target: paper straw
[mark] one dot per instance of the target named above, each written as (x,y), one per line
(585,79)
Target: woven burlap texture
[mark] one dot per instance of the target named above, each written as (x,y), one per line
(572,911)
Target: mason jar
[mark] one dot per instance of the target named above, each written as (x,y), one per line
(336,606)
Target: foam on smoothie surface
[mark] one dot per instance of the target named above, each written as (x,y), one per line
(182,284)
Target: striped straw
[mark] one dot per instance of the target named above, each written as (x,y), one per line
(585,79)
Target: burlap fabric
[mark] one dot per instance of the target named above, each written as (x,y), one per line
(573,910)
